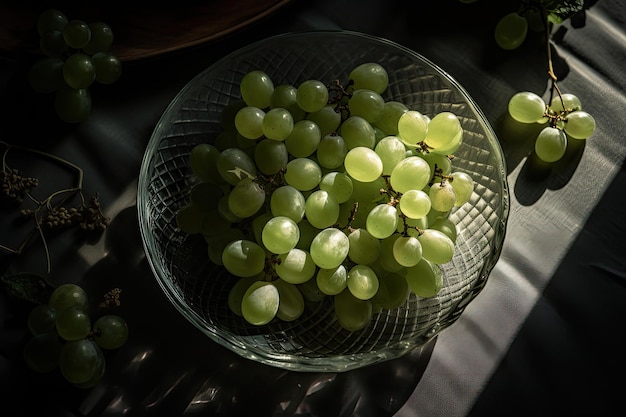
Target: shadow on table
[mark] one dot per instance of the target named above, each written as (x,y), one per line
(168,367)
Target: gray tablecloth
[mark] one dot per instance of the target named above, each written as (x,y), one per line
(545,336)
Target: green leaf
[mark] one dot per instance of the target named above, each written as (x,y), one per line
(28,286)
(558,11)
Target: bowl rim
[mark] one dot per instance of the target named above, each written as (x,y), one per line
(342,362)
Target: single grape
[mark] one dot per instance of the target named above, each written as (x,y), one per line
(329,248)
(356,131)
(296,266)
(51,19)
(288,201)
(446,226)
(41,319)
(437,247)
(41,353)
(571,101)
(110,331)
(443,129)
(412,128)
(312,95)
(77,34)
(382,221)
(249,122)
(407,250)
(442,196)
(364,248)
(371,76)
(511,30)
(236,293)
(79,360)
(277,124)
(580,125)
(388,120)
(550,144)
(108,67)
(393,291)
(321,209)
(52,44)
(424,279)
(362,282)
(352,313)
(270,156)
(303,174)
(303,139)
(243,258)
(391,150)
(526,107)
(331,151)
(327,119)
(101,38)
(332,281)
(363,164)
(291,301)
(246,198)
(68,295)
(337,184)
(463,186)
(415,204)
(203,163)
(256,89)
(234,164)
(284,96)
(280,234)
(367,104)
(73,323)
(411,173)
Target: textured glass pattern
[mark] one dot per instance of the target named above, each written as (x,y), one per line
(316,342)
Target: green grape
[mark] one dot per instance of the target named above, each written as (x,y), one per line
(79,360)
(452,146)
(205,195)
(367,104)
(572,103)
(437,247)
(108,67)
(110,331)
(41,319)
(362,282)
(331,151)
(327,119)
(284,96)
(256,89)
(393,290)
(363,164)
(41,353)
(356,132)
(446,226)
(312,95)
(390,117)
(386,259)
(77,34)
(321,209)
(234,164)
(51,19)
(382,221)
(332,281)
(526,107)
(364,248)
(303,174)
(307,234)
(52,44)
(443,129)
(68,295)
(329,248)
(371,76)
(442,196)
(46,75)
(190,218)
(412,128)
(280,234)
(71,105)
(407,251)
(414,204)
(296,266)
(203,163)
(101,38)
(580,125)
(391,150)
(550,144)
(270,156)
(304,139)
(511,30)
(97,375)
(337,184)
(236,293)
(246,198)
(73,323)
(424,279)
(411,173)
(277,124)
(463,187)
(351,312)
(288,201)
(291,301)
(243,258)
(249,122)
(79,71)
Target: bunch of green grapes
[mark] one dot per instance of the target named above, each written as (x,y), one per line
(564,119)
(65,338)
(77,54)
(317,190)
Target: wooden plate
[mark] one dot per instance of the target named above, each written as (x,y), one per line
(141,32)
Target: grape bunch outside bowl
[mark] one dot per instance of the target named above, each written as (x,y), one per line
(285,230)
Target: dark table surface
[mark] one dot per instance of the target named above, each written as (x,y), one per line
(546,336)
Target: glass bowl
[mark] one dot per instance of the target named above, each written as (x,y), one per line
(316,341)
